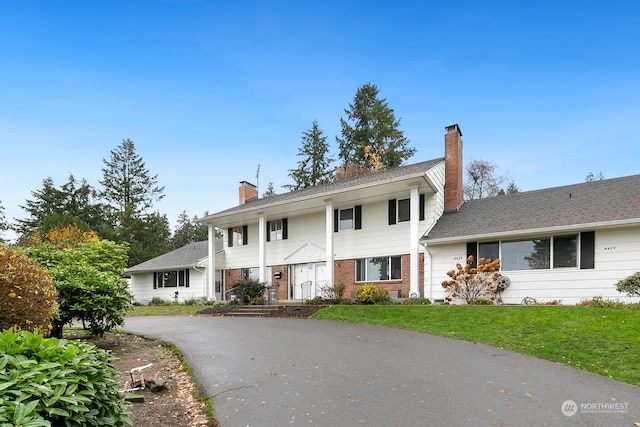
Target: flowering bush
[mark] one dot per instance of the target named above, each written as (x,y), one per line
(474,284)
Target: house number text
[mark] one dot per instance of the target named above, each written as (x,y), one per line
(609,248)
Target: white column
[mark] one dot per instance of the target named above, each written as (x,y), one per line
(414,240)
(329,241)
(262,254)
(211,264)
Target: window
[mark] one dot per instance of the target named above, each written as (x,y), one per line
(379,269)
(537,254)
(488,250)
(565,251)
(347,219)
(404,210)
(400,210)
(525,254)
(277,230)
(237,236)
(171,279)
(252,273)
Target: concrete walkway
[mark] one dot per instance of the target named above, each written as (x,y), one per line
(289,372)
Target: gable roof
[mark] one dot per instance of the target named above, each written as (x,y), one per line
(325,190)
(596,203)
(184,257)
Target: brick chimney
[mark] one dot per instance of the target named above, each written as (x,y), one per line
(453,189)
(247,192)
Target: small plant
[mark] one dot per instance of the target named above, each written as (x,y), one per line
(156,301)
(315,301)
(369,294)
(630,285)
(28,297)
(248,291)
(417,301)
(599,302)
(472,284)
(51,382)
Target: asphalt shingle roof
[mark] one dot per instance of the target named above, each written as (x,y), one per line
(184,257)
(320,190)
(593,202)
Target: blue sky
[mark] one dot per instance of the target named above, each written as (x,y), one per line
(208,90)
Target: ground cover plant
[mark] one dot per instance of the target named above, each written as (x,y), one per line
(48,382)
(598,339)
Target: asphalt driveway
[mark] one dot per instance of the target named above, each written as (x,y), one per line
(290,372)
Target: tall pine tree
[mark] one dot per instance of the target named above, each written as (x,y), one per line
(371,135)
(129,192)
(315,166)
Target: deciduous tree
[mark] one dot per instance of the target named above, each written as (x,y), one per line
(482,180)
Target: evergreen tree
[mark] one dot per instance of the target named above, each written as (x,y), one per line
(271,191)
(188,231)
(129,191)
(73,203)
(315,166)
(371,135)
(127,187)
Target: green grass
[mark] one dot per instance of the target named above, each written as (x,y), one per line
(165,310)
(604,341)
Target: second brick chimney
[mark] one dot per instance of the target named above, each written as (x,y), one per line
(247,192)
(453,189)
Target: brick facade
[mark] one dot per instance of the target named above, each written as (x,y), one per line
(453,189)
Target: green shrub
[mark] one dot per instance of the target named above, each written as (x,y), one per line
(599,302)
(51,382)
(248,291)
(417,301)
(369,294)
(315,301)
(28,297)
(630,285)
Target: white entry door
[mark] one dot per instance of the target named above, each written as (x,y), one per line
(309,280)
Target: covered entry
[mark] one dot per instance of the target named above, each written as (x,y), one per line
(309,281)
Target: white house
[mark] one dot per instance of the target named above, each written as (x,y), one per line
(178,275)
(402,229)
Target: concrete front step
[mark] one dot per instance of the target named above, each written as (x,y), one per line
(252,311)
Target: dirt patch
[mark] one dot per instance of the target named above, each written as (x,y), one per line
(176,405)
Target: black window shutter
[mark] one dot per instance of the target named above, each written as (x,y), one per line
(186,278)
(472,250)
(336,222)
(392,211)
(245,234)
(230,237)
(268,231)
(357,213)
(285,229)
(155,280)
(587,249)
(180,277)
(421,207)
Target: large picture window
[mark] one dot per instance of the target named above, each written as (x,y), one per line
(537,254)
(379,269)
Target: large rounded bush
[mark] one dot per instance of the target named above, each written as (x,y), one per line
(51,382)
(28,297)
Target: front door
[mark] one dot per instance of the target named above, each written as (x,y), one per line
(309,280)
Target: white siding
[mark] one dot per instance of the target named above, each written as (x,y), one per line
(141,287)
(617,255)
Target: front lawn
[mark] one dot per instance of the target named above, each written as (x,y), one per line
(605,341)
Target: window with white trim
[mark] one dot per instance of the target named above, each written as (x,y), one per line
(171,279)
(379,269)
